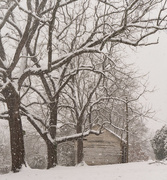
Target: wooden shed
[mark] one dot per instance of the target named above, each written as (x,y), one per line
(106,148)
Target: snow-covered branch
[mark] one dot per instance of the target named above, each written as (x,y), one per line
(6,16)
(77,136)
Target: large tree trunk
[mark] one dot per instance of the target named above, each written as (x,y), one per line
(79,150)
(16,132)
(52,154)
(52,149)
(79,143)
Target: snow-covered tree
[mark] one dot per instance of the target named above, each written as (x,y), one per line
(40,38)
(159,143)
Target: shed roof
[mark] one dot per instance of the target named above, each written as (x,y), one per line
(113,133)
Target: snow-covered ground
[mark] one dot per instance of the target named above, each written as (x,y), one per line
(131,171)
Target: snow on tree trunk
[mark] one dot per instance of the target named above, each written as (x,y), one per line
(15,125)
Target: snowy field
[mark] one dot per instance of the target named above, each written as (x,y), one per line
(131,171)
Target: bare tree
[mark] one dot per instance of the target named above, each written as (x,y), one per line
(49,35)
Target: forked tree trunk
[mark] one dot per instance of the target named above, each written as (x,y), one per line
(51,148)
(16,132)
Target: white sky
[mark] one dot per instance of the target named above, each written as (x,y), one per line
(153,60)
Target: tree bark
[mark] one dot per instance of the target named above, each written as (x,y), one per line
(53,119)
(79,143)
(16,132)
(127,130)
(79,150)
(52,154)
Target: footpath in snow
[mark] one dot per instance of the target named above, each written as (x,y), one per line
(130,171)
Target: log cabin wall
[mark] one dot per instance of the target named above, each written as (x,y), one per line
(103,149)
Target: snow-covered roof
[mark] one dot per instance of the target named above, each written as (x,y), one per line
(109,130)
(119,137)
